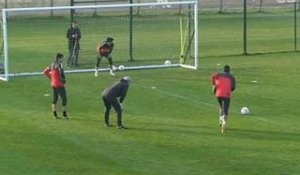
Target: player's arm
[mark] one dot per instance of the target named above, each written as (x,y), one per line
(47,72)
(213,78)
(232,83)
(99,48)
(78,34)
(213,82)
(214,89)
(111,48)
(124,89)
(62,76)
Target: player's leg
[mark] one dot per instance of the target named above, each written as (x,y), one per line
(221,101)
(63,95)
(107,105)
(70,54)
(76,57)
(98,60)
(221,111)
(54,102)
(116,105)
(226,108)
(226,103)
(109,58)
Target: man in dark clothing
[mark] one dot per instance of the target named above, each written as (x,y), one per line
(114,97)
(73,36)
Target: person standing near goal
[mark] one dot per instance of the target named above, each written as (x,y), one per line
(114,97)
(55,73)
(104,50)
(73,36)
(223,84)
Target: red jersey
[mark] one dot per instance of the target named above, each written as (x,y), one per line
(104,49)
(224,84)
(56,76)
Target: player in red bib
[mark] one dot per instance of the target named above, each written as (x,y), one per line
(55,73)
(104,50)
(223,84)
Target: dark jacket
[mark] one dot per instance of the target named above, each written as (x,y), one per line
(73,35)
(117,90)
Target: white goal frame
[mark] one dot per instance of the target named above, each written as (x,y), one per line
(6,76)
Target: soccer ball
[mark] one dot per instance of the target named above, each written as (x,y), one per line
(114,68)
(245,111)
(121,67)
(167,62)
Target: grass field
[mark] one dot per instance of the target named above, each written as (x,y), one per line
(172,118)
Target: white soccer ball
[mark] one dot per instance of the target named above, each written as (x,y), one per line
(245,111)
(121,67)
(114,68)
(167,62)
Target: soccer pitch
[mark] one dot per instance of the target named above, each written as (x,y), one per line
(171,114)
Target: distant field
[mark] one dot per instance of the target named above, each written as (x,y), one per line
(32,41)
(171,114)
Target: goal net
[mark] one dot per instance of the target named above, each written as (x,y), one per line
(146,35)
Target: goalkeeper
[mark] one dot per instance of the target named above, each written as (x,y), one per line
(104,50)
(114,97)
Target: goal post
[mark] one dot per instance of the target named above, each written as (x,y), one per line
(4,71)
(31,38)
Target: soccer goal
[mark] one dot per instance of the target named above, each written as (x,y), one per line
(146,35)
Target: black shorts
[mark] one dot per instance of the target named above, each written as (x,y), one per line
(112,103)
(224,104)
(59,91)
(108,57)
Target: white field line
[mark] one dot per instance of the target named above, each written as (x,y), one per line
(259,118)
(185,98)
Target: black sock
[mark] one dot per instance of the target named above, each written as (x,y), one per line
(54,114)
(65,114)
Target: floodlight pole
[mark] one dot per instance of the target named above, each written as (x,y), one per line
(245,27)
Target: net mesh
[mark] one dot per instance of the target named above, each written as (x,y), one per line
(35,37)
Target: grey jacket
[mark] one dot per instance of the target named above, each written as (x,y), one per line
(117,90)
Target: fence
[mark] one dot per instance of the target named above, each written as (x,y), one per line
(211,5)
(270,25)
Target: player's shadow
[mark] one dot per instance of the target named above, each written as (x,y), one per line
(171,128)
(266,135)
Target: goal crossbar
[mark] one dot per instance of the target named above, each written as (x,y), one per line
(97,6)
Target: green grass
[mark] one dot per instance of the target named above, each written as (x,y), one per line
(171,114)
(173,128)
